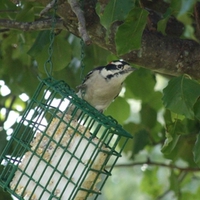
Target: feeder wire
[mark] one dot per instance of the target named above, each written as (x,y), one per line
(48,66)
(82,59)
(82,48)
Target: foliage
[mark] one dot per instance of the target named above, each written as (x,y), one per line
(132,27)
(162,113)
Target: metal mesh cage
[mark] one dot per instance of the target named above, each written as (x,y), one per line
(62,147)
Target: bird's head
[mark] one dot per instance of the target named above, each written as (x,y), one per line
(117,70)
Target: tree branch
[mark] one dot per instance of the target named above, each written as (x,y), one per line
(81,19)
(43,24)
(171,166)
(48,7)
(167,55)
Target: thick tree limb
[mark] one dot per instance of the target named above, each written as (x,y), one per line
(43,24)
(168,55)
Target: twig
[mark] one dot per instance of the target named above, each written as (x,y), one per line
(81,19)
(44,24)
(48,7)
(171,166)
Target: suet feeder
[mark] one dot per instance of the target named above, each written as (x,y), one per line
(62,147)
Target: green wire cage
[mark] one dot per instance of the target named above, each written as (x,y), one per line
(62,148)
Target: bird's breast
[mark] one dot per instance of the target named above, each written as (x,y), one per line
(101,96)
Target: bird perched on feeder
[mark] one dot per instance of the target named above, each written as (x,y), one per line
(103,84)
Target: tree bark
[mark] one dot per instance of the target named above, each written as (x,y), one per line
(167,55)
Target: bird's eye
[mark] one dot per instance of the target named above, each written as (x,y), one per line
(120,67)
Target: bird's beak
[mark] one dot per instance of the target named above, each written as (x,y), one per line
(130,69)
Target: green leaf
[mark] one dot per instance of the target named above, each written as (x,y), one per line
(61,51)
(174,129)
(157,133)
(21,41)
(122,112)
(196,150)
(140,140)
(183,10)
(161,25)
(180,95)
(115,10)
(190,187)
(150,183)
(174,183)
(148,116)
(155,101)
(4,6)
(95,59)
(186,8)
(27,13)
(190,32)
(197,109)
(41,41)
(170,142)
(142,83)
(184,150)
(180,139)
(129,34)
(132,129)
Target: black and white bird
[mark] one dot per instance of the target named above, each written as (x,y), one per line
(103,84)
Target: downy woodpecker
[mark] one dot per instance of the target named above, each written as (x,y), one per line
(103,84)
